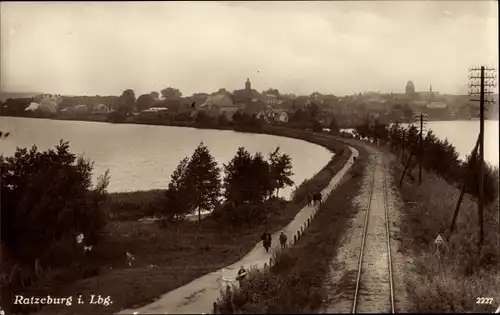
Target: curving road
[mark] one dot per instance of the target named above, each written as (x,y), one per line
(198,296)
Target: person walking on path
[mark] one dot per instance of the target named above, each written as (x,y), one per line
(283,239)
(242,274)
(320,197)
(309,199)
(266,240)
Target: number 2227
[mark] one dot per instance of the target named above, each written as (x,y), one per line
(484,300)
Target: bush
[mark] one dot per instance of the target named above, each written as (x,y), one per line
(117,117)
(203,119)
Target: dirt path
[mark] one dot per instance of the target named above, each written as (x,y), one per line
(198,296)
(374,293)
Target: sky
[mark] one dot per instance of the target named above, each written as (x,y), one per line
(103,48)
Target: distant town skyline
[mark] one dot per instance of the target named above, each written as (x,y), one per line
(339,48)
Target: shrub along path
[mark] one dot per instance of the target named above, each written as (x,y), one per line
(198,296)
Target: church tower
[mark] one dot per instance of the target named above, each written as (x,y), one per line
(248,85)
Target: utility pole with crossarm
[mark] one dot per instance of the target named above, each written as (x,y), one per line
(482,79)
(421,119)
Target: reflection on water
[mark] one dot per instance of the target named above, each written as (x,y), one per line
(142,157)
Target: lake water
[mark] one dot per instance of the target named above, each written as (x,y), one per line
(463,135)
(142,157)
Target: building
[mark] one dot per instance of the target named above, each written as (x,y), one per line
(154,113)
(220,100)
(100,109)
(437,110)
(248,94)
(32,107)
(410,88)
(219,104)
(270,114)
(272,100)
(282,117)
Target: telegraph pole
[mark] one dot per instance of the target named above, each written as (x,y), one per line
(421,119)
(403,136)
(486,80)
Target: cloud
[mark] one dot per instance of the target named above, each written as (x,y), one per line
(300,47)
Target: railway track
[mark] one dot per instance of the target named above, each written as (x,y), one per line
(374,291)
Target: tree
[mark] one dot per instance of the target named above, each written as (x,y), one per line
(195,185)
(223,120)
(236,175)
(407,112)
(364,130)
(48,199)
(145,101)
(178,201)
(272,92)
(380,130)
(237,117)
(313,110)
(262,184)
(116,116)
(281,170)
(126,101)
(334,127)
(247,184)
(204,178)
(203,118)
(247,179)
(155,95)
(317,126)
(171,93)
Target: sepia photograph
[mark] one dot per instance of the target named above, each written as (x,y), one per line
(249,157)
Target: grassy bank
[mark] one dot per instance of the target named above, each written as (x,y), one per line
(452,279)
(164,260)
(294,283)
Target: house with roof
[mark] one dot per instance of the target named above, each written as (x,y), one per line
(100,109)
(154,113)
(270,114)
(219,104)
(253,107)
(437,110)
(282,117)
(272,100)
